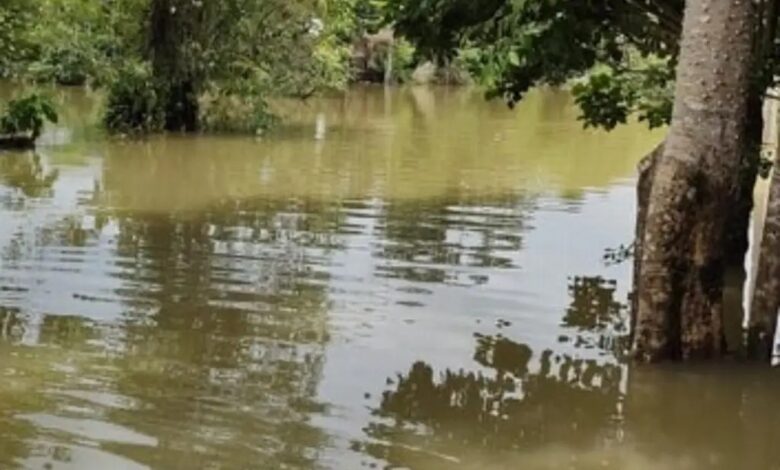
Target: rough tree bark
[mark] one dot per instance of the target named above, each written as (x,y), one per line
(766,298)
(764,305)
(679,296)
(646,171)
(737,237)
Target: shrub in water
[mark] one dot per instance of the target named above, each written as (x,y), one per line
(224,111)
(63,66)
(27,115)
(135,104)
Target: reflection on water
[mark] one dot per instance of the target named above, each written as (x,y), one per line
(569,413)
(567,402)
(25,172)
(401,279)
(598,318)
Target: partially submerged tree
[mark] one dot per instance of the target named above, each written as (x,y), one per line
(211,64)
(696,192)
(239,52)
(765,303)
(682,266)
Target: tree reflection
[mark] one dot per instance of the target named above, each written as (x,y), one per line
(512,402)
(11,325)
(225,331)
(222,331)
(26,372)
(66,331)
(598,319)
(565,401)
(424,240)
(553,410)
(26,173)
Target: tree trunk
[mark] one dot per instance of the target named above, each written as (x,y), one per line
(182,109)
(172,29)
(679,310)
(646,170)
(766,298)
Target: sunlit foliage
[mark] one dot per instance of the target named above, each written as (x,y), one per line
(623,52)
(201,56)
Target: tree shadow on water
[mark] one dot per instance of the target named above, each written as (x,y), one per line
(555,410)
(503,407)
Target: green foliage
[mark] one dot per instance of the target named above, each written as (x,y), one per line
(607,96)
(439,27)
(605,99)
(225,110)
(514,45)
(69,42)
(276,47)
(655,93)
(134,102)
(264,48)
(65,40)
(64,66)
(27,115)
(370,15)
(404,60)
(244,48)
(15,18)
(403,57)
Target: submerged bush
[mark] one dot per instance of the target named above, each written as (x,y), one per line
(135,103)
(62,66)
(223,111)
(27,115)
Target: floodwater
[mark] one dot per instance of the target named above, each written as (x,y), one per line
(394,279)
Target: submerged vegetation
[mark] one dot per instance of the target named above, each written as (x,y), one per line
(210,66)
(134,104)
(184,64)
(191,62)
(22,120)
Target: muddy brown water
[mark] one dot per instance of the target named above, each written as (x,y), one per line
(394,279)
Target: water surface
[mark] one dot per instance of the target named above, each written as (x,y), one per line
(394,279)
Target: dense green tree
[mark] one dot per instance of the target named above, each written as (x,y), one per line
(15,18)
(236,47)
(205,64)
(66,41)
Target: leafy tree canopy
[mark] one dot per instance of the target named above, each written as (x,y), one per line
(622,51)
(221,53)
